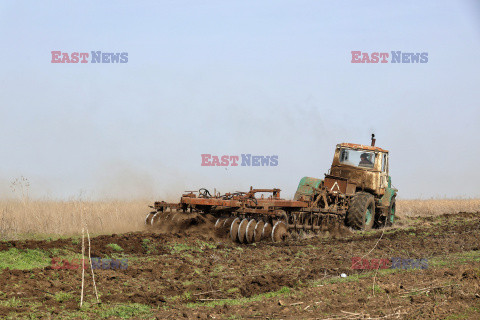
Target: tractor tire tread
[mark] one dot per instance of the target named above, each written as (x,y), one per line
(356,211)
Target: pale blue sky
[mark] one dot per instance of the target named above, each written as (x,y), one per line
(232,77)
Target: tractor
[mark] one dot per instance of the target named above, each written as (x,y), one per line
(356,192)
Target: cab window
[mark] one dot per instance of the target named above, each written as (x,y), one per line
(357,158)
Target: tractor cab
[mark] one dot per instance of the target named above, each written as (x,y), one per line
(365,168)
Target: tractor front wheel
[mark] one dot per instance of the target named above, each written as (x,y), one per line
(391,212)
(361,211)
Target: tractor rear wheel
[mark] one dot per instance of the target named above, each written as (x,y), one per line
(361,212)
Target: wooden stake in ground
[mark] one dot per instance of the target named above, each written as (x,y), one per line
(85,227)
(83,265)
(91,267)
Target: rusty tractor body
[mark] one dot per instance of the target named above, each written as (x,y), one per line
(357,193)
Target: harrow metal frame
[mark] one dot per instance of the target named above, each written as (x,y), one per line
(306,214)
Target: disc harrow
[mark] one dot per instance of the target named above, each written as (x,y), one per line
(246,218)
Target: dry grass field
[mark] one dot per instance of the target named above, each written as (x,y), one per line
(22,219)
(422,208)
(31,218)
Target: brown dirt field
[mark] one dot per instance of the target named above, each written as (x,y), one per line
(197,274)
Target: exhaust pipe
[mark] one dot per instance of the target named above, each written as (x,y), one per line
(373,140)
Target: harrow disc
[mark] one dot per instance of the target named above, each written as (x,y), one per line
(250,232)
(279,232)
(316,225)
(300,227)
(242,230)
(219,223)
(267,230)
(148,218)
(257,233)
(323,224)
(156,218)
(227,224)
(234,229)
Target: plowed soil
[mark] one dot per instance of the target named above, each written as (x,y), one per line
(196,273)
